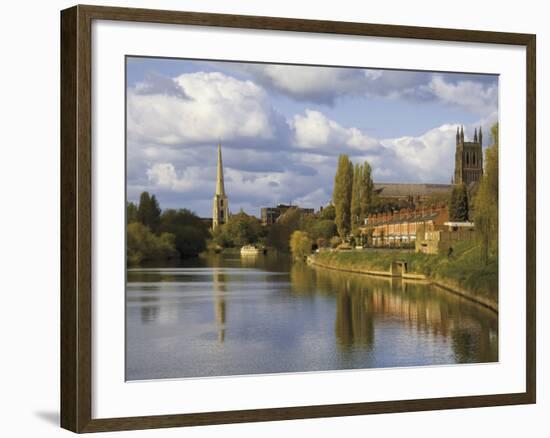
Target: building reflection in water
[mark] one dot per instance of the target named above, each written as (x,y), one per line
(362,302)
(218,283)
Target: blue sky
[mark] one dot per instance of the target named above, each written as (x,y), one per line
(282,127)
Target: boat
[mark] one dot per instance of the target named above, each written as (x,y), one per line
(252,250)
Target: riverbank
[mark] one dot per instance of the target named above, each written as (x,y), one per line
(462,273)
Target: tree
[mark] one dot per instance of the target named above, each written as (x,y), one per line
(341,195)
(367,187)
(280,232)
(148,212)
(131,213)
(142,244)
(328,213)
(458,204)
(362,194)
(356,192)
(321,229)
(486,202)
(189,231)
(240,229)
(300,244)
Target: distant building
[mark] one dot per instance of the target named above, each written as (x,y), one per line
(468,158)
(412,193)
(220,209)
(270,215)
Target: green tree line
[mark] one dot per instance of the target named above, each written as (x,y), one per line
(153,234)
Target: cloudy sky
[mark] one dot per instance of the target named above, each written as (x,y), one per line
(282,127)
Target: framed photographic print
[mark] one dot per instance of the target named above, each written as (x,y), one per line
(269,218)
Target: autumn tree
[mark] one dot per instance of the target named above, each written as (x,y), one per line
(300,244)
(341,195)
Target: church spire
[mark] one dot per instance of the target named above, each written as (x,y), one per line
(462,133)
(475,135)
(220,188)
(220,207)
(480,139)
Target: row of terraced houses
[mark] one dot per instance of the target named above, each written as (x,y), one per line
(427,229)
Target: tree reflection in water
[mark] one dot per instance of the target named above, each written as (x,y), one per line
(223,314)
(362,301)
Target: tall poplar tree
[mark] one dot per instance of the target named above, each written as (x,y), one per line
(341,195)
(367,187)
(356,194)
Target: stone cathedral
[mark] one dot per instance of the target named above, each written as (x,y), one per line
(220,209)
(468,158)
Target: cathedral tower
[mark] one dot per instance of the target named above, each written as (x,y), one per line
(220,210)
(468,158)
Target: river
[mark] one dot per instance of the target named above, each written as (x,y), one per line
(223,314)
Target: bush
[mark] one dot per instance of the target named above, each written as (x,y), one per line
(142,244)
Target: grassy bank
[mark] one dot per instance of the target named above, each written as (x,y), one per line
(462,270)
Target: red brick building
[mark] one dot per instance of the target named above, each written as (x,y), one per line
(399,228)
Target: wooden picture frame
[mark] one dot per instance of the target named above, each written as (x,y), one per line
(76,217)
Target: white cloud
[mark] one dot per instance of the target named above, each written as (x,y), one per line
(314,130)
(473,96)
(214,107)
(428,157)
(309,83)
(325,85)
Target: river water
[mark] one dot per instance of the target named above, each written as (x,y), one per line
(224,314)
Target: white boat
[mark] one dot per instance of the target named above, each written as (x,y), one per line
(252,250)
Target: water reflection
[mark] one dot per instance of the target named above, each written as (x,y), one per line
(224,315)
(219,302)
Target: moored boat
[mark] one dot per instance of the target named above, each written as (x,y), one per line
(252,250)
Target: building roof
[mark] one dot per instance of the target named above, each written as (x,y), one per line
(412,218)
(402,190)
